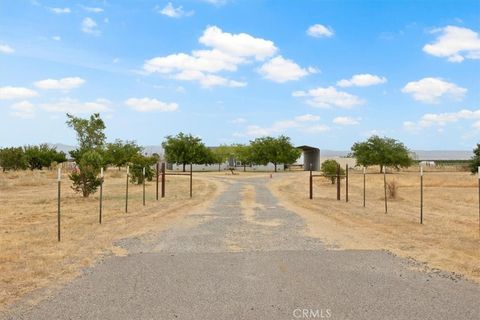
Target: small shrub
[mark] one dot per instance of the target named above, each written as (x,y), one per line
(329,170)
(392,188)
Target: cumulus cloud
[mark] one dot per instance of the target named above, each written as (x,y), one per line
(12,93)
(431,90)
(227,52)
(60,10)
(442,119)
(282,70)
(60,84)
(319,31)
(170,11)
(4,48)
(23,109)
(90,26)
(345,121)
(150,104)
(329,97)
(362,80)
(455,44)
(238,45)
(69,105)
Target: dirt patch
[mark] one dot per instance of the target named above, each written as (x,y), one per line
(448,239)
(31,258)
(249,206)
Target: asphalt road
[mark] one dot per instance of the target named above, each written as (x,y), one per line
(224,264)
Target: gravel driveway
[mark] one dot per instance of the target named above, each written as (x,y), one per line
(225,264)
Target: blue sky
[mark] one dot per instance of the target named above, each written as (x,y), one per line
(325,73)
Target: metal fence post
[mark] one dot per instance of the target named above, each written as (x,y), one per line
(364,184)
(338,181)
(346,183)
(311,182)
(191,180)
(157,167)
(59,178)
(143,184)
(421,194)
(385,187)
(163,179)
(126,191)
(101,197)
(478,200)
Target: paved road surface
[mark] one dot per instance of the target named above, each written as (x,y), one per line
(231,264)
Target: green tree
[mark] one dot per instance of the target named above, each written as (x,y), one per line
(120,153)
(89,154)
(13,159)
(184,149)
(329,170)
(42,156)
(243,154)
(274,150)
(383,152)
(85,178)
(221,154)
(137,163)
(475,161)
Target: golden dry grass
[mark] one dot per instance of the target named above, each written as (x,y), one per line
(31,257)
(448,239)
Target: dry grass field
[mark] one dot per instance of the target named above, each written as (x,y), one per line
(32,258)
(448,240)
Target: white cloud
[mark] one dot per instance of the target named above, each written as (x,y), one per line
(319,30)
(90,26)
(149,104)
(60,10)
(345,121)
(5,48)
(430,90)
(23,109)
(227,53)
(307,118)
(73,106)
(11,93)
(455,44)
(442,119)
(282,70)
(237,45)
(56,38)
(216,2)
(362,80)
(60,84)
(329,97)
(93,9)
(170,11)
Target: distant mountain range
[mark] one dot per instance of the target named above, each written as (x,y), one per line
(418,154)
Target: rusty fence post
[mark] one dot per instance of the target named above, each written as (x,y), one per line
(338,182)
(101,197)
(364,185)
(346,183)
(126,191)
(385,187)
(59,178)
(421,194)
(311,182)
(143,184)
(478,200)
(191,180)
(156,173)
(163,179)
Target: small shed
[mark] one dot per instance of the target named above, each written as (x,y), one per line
(310,155)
